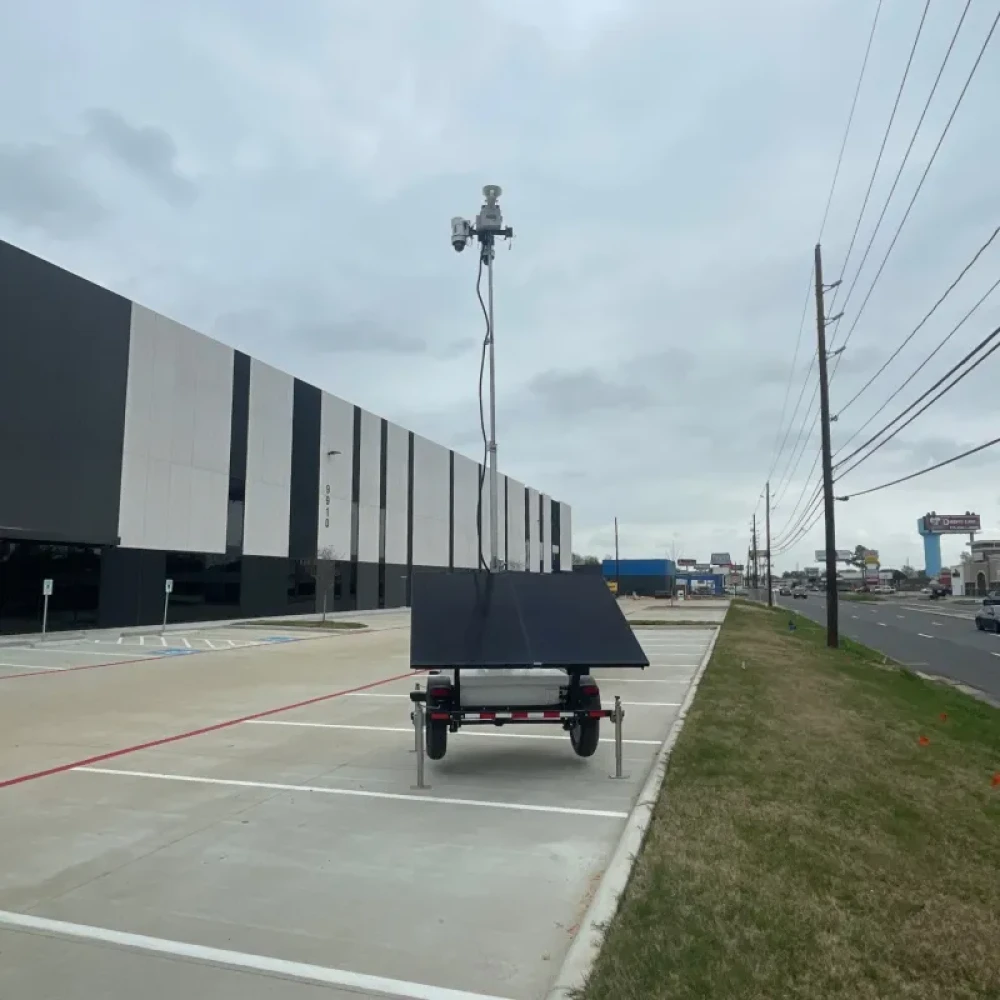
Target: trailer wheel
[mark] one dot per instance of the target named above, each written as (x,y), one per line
(437,739)
(585,734)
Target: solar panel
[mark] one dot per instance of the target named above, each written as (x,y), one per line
(495,620)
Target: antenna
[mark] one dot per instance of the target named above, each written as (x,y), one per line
(488,226)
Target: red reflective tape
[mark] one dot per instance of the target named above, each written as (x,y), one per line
(439,716)
(519,715)
(551,715)
(487,715)
(597,715)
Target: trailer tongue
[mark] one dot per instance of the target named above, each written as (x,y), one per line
(516,648)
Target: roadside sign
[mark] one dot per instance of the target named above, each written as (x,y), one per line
(168,587)
(46,588)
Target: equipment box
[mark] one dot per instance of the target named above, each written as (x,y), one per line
(512,687)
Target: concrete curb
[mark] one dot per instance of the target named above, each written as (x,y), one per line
(586,946)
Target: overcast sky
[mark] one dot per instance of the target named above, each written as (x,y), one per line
(282,176)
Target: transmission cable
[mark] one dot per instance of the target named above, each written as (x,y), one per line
(946,389)
(822,227)
(927,316)
(923,364)
(920,184)
(923,472)
(885,139)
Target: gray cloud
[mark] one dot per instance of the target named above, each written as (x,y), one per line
(40,190)
(147,151)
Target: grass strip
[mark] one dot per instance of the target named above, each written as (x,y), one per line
(828,828)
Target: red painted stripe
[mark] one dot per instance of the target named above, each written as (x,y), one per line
(94,666)
(551,715)
(111,754)
(518,715)
(487,715)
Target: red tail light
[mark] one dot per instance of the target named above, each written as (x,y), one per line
(590,689)
(439,693)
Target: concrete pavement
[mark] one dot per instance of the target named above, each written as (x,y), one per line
(934,639)
(243,823)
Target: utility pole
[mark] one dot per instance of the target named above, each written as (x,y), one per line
(832,609)
(756,562)
(767,551)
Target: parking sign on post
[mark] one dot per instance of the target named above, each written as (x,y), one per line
(46,594)
(168,589)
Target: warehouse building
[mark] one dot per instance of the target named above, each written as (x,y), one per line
(137,451)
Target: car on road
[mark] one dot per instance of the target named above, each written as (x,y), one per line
(784,591)
(800,592)
(988,616)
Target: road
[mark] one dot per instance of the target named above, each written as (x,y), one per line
(934,640)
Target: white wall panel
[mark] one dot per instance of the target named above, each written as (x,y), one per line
(565,537)
(515,524)
(269,461)
(502,527)
(547,533)
(370,486)
(430,503)
(466,491)
(397,478)
(534,547)
(175,461)
(333,535)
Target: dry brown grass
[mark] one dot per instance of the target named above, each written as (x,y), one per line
(806,845)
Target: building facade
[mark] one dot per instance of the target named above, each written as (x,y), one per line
(136,451)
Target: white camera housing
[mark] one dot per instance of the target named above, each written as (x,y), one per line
(461,233)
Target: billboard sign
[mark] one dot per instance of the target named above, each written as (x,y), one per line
(702,568)
(843,555)
(811,571)
(721,559)
(687,562)
(952,524)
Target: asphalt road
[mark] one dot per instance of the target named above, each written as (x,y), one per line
(933,640)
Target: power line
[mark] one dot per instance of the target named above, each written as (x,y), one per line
(802,493)
(923,364)
(946,389)
(815,502)
(920,184)
(822,227)
(927,316)
(815,514)
(885,139)
(923,472)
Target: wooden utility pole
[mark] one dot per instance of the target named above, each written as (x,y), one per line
(767,551)
(832,609)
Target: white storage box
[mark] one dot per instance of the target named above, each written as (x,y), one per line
(513,686)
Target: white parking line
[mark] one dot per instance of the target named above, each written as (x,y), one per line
(30,666)
(994,654)
(276,967)
(63,651)
(409,731)
(924,635)
(936,623)
(356,793)
(187,642)
(880,623)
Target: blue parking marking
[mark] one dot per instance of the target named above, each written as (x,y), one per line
(280,638)
(172,651)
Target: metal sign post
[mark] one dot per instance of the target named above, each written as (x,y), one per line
(46,594)
(168,589)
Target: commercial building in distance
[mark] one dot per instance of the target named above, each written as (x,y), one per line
(137,451)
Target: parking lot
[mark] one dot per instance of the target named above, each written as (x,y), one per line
(244,823)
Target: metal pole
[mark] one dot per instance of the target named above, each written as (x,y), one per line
(832,610)
(418,725)
(618,586)
(326,591)
(494,498)
(618,716)
(767,551)
(166,605)
(45,614)
(416,728)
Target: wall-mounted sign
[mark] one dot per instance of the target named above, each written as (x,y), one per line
(46,588)
(326,507)
(168,587)
(843,555)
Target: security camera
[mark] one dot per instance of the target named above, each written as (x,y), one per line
(461,233)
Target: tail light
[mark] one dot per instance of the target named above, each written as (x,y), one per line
(439,693)
(590,689)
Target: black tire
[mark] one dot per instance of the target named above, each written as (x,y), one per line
(586,734)
(437,739)
(980,627)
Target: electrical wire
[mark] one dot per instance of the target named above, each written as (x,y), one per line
(924,395)
(923,364)
(927,316)
(881,151)
(920,184)
(802,493)
(822,228)
(482,414)
(923,472)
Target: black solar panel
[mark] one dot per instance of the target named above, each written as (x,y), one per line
(518,620)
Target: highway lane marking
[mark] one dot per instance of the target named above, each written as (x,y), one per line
(994,654)
(854,616)
(881,623)
(409,731)
(900,616)
(924,635)
(278,968)
(355,793)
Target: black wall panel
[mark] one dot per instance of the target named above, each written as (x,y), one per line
(131,587)
(368,580)
(64,347)
(303,517)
